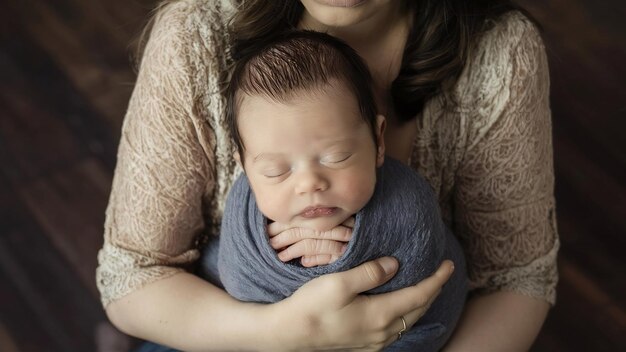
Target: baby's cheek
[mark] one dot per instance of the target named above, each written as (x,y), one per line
(270,205)
(358,190)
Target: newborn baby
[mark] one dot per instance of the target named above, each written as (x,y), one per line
(311,145)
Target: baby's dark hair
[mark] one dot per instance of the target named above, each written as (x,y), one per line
(291,62)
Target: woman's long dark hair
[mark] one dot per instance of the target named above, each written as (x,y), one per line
(439,43)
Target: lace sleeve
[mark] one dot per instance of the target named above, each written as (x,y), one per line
(155,208)
(504,209)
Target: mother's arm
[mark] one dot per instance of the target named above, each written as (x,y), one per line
(499,321)
(187,313)
(504,201)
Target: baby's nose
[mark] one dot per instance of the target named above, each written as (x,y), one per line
(311,181)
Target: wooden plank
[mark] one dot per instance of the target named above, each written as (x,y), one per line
(594,185)
(26,309)
(110,18)
(586,55)
(69,205)
(578,319)
(44,304)
(592,293)
(591,234)
(26,141)
(47,113)
(595,256)
(7,344)
(105,79)
(592,116)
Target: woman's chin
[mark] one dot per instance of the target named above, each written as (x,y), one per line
(336,16)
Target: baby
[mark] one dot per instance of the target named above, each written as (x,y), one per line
(309,139)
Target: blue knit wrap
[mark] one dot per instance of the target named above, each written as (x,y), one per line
(401,219)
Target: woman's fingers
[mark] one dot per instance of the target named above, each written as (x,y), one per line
(311,248)
(405,307)
(280,237)
(395,328)
(368,275)
(365,322)
(412,302)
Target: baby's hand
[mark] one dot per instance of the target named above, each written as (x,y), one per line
(311,246)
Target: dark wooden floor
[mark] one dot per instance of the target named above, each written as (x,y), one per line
(65,79)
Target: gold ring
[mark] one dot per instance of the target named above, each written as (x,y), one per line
(403,327)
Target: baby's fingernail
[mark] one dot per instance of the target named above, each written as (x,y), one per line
(389,265)
(343,248)
(306,260)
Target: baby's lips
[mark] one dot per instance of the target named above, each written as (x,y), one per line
(314,212)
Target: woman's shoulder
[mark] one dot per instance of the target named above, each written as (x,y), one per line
(188,11)
(498,48)
(507,55)
(189,40)
(509,30)
(190,21)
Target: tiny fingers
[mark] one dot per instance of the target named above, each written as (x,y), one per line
(311,247)
(320,259)
(339,233)
(291,236)
(275,228)
(349,222)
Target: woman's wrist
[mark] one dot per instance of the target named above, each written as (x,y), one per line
(261,327)
(283,327)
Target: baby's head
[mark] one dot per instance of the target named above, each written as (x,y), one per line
(303,118)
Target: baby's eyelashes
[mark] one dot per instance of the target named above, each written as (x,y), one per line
(274,173)
(336,158)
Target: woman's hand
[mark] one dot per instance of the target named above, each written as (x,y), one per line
(312,246)
(329,313)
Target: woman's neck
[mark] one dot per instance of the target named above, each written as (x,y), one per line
(365,34)
(379,40)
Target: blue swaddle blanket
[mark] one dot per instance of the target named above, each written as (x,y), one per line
(401,220)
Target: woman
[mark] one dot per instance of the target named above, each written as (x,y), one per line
(464,85)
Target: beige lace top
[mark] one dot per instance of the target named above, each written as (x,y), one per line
(485,147)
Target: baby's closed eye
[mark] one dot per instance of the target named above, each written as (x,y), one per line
(275,172)
(335,158)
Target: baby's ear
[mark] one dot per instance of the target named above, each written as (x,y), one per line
(380,139)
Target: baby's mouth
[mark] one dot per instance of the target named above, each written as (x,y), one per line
(318,211)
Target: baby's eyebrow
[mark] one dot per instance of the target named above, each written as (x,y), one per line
(266,156)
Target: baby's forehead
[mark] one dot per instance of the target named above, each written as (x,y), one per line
(322,98)
(313,91)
